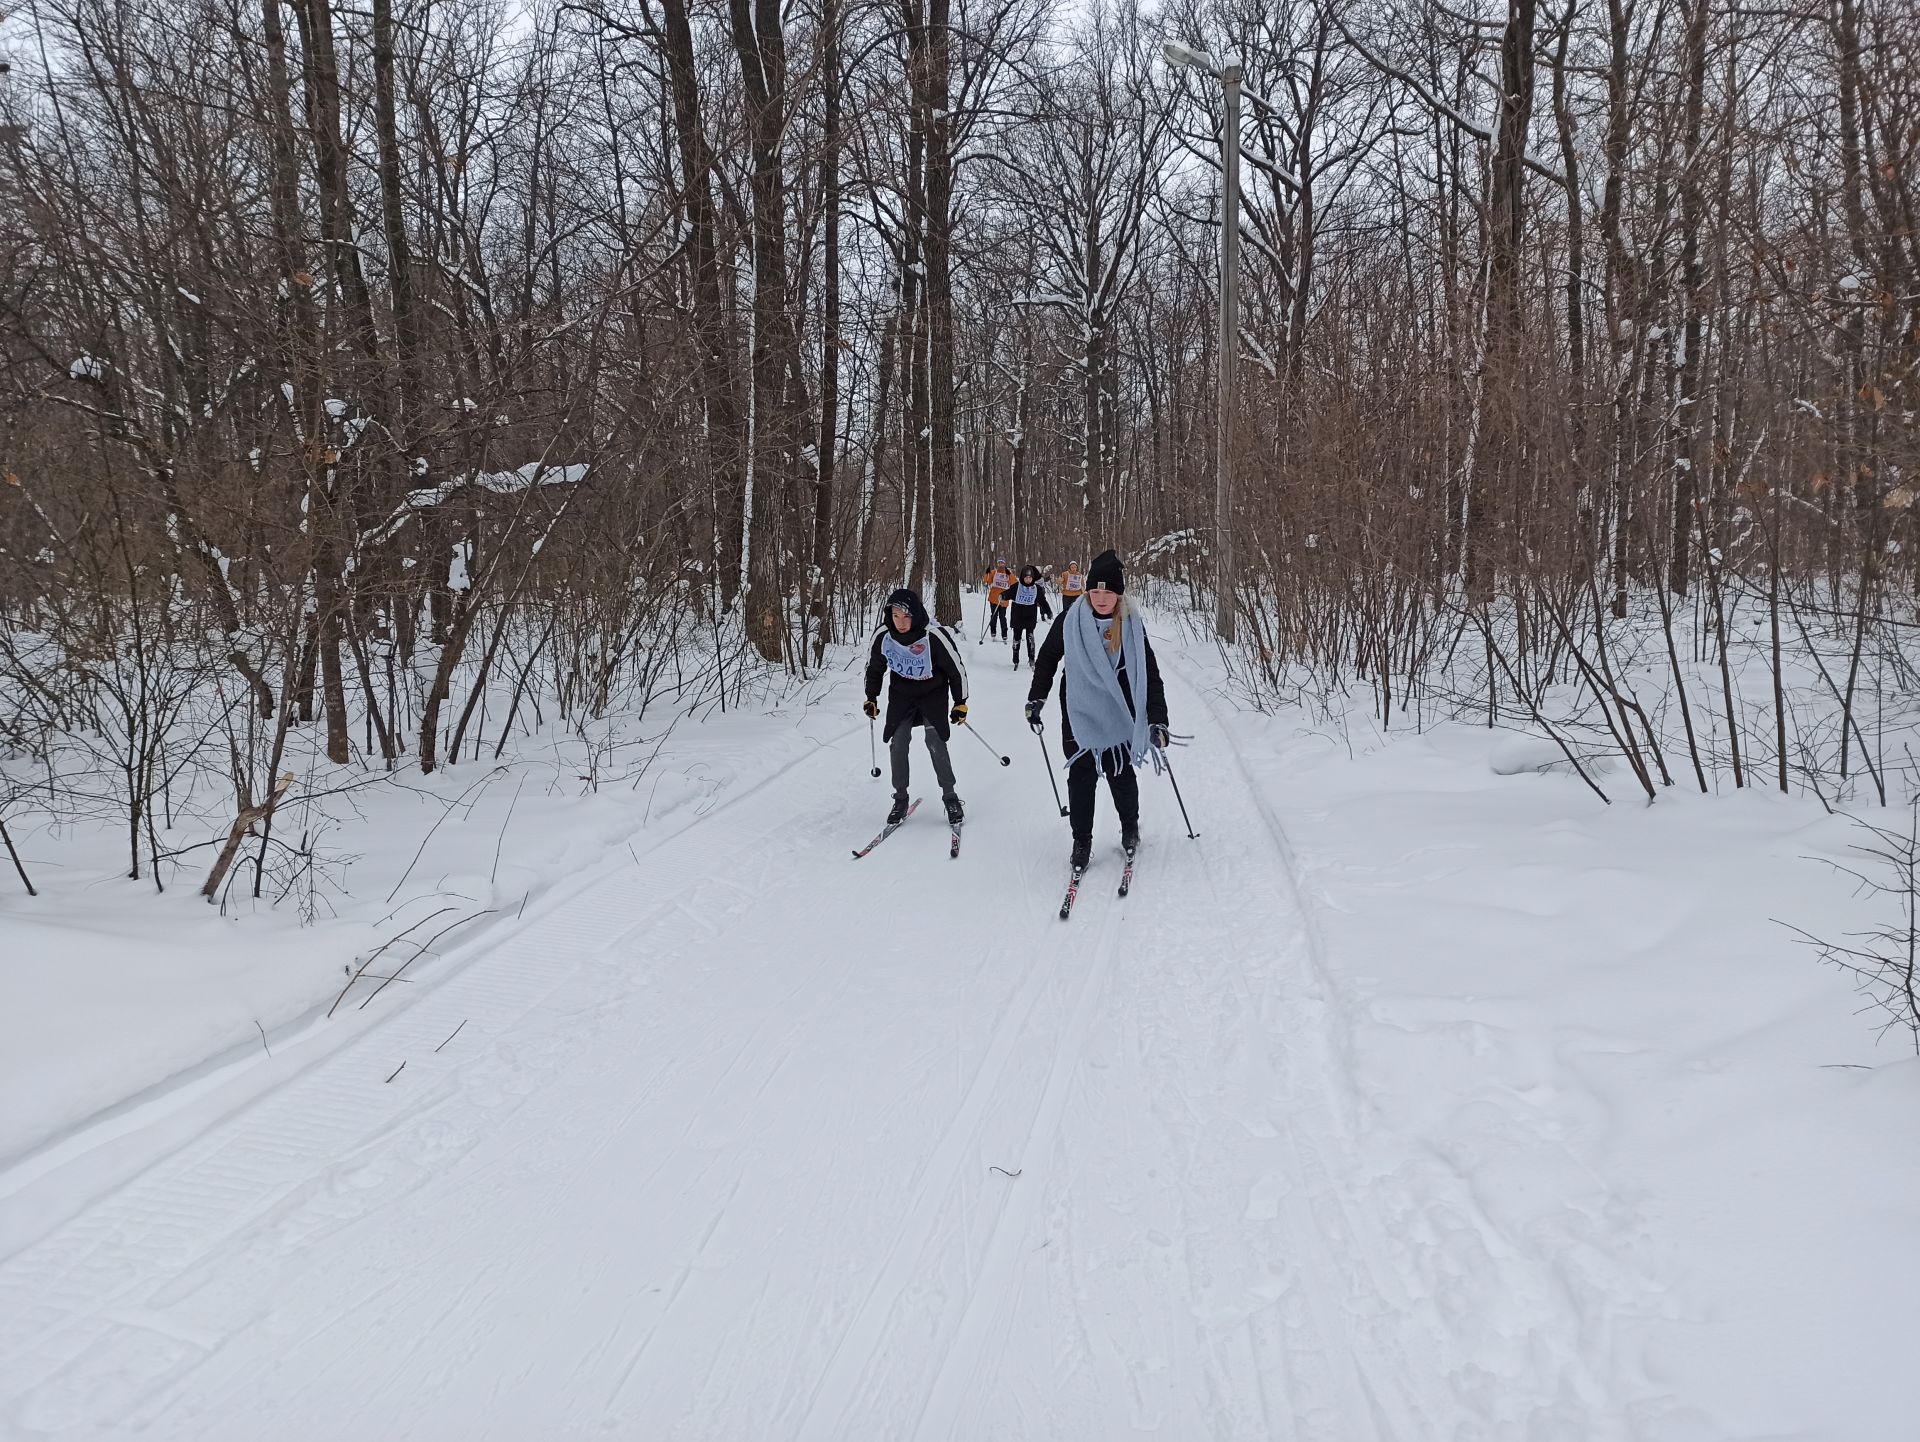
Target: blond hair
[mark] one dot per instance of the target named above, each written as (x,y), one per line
(1120,613)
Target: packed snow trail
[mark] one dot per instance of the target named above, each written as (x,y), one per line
(752,1142)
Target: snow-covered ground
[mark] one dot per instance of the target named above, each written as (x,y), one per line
(1411,1101)
(115,1000)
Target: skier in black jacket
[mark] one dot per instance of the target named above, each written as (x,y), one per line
(927,669)
(1103,662)
(1026,604)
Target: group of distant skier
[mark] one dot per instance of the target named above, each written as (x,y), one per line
(1107,668)
(1017,600)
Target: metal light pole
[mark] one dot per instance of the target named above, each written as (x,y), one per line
(1229,314)
(1229,351)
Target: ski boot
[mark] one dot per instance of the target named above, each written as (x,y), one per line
(1130,837)
(956,812)
(1082,853)
(899,812)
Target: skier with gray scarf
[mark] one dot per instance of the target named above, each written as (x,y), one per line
(1105,731)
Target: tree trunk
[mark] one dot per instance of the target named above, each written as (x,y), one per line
(1507,225)
(400,276)
(760,42)
(719,388)
(821,579)
(1686,449)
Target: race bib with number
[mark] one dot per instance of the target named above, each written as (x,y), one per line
(912,662)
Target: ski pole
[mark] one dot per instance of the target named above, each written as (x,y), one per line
(1040,735)
(873,758)
(1192,835)
(1004,760)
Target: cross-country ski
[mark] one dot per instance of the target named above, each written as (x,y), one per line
(892,825)
(1073,892)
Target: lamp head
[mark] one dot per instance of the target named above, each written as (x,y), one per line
(1186,57)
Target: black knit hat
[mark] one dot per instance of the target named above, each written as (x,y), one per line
(1106,573)
(1029,573)
(910,602)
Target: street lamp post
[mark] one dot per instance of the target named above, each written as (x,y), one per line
(1229,315)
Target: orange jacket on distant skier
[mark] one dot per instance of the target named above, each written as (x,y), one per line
(997,579)
(1072,581)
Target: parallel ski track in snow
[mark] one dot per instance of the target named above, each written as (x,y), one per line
(826,1416)
(1311,1359)
(70,1297)
(964,1354)
(1405,1229)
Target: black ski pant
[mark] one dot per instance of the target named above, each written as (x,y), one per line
(1083,778)
(1024,626)
(936,747)
(997,621)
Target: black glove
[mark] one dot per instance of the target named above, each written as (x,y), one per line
(872,708)
(958,716)
(1160,737)
(1034,709)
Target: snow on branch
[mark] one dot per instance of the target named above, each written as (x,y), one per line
(500,483)
(1259,354)
(1165,545)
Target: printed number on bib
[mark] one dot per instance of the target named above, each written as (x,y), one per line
(910,663)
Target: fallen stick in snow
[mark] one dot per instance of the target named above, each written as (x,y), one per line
(424,948)
(376,956)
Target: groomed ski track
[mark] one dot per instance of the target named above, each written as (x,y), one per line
(722,1151)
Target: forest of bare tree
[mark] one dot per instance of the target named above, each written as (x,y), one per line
(361,364)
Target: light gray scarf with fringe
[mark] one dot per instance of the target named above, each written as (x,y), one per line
(1103,723)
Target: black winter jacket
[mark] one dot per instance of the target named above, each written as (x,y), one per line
(1053,651)
(912,702)
(1027,618)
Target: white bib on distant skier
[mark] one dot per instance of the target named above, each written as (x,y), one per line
(910,661)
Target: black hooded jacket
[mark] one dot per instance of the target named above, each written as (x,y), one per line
(913,701)
(1027,617)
